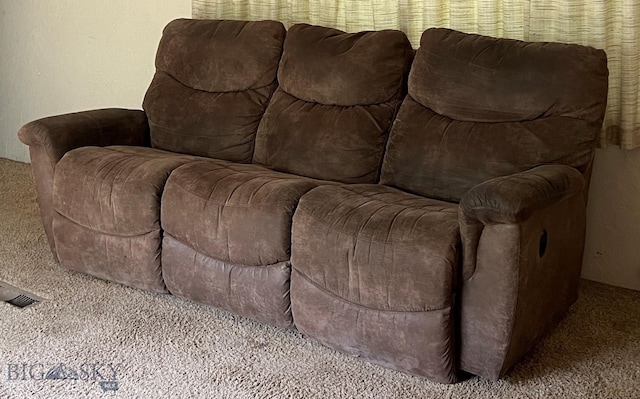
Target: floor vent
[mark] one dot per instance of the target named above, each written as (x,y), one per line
(22,301)
(17,297)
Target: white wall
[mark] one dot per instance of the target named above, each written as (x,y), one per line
(612,253)
(61,56)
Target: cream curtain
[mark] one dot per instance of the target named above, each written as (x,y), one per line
(613,25)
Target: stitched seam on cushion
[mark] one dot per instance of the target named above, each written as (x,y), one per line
(121,151)
(216,92)
(523,121)
(451,208)
(412,196)
(199,252)
(103,232)
(357,236)
(360,305)
(148,157)
(170,154)
(142,179)
(229,165)
(173,133)
(385,102)
(209,200)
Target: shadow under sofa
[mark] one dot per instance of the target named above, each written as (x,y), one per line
(423,210)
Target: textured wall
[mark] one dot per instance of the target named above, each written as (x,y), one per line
(70,55)
(63,56)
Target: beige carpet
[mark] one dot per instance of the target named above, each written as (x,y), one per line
(164,347)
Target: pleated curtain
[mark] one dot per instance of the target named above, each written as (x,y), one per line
(613,25)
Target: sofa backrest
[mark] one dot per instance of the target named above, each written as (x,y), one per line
(338,95)
(212,85)
(481,107)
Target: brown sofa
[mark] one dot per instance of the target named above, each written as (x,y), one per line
(422,210)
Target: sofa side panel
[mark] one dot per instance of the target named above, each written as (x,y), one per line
(43,171)
(526,278)
(487,302)
(49,139)
(551,254)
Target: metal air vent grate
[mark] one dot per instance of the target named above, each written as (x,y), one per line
(22,301)
(17,297)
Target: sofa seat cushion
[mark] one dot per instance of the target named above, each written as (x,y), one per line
(114,190)
(374,273)
(233,212)
(107,219)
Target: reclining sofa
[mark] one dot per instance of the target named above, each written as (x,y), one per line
(423,210)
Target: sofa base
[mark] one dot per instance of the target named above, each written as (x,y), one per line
(128,260)
(419,343)
(257,292)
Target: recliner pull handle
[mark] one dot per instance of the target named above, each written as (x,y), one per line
(544,237)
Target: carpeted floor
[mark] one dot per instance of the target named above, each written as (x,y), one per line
(165,347)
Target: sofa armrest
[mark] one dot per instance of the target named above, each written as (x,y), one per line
(50,138)
(61,133)
(513,198)
(523,241)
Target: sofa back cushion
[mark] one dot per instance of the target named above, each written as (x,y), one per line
(338,94)
(212,84)
(481,107)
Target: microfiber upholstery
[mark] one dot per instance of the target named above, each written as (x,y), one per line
(107,212)
(50,138)
(422,210)
(383,264)
(338,95)
(212,84)
(227,239)
(523,236)
(553,79)
(233,212)
(463,123)
(257,292)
